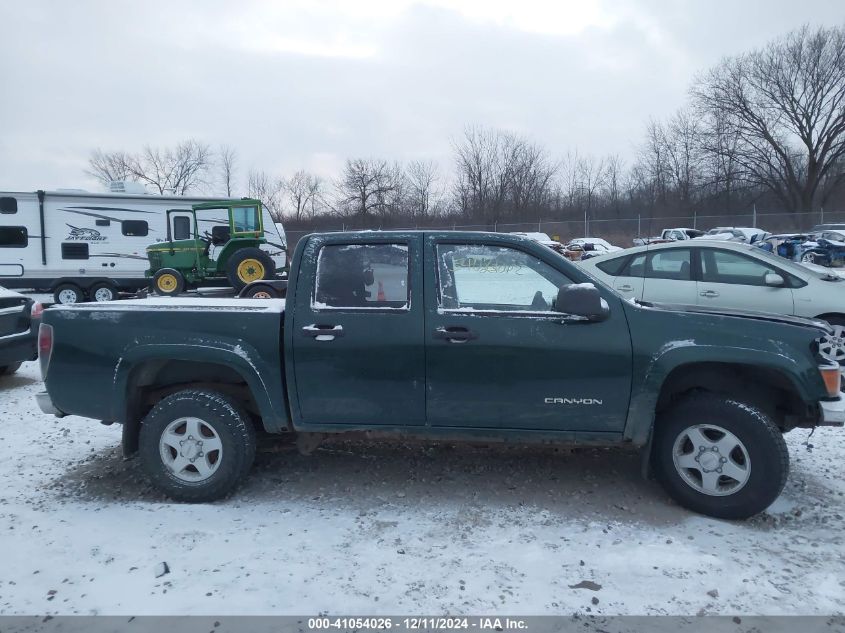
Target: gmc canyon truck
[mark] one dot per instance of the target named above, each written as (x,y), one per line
(448,336)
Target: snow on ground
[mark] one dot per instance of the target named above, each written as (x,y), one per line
(378,528)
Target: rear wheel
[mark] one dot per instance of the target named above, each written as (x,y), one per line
(809,258)
(168,282)
(103,292)
(248,265)
(197,445)
(833,346)
(719,457)
(66,294)
(8,370)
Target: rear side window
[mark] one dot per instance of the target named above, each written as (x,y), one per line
(13,237)
(135,228)
(362,276)
(74,250)
(669,264)
(8,205)
(612,266)
(181,228)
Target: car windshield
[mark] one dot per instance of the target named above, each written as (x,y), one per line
(794,267)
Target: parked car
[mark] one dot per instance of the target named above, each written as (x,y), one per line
(787,245)
(593,244)
(451,336)
(728,275)
(17,331)
(824,249)
(669,235)
(545,240)
(734,234)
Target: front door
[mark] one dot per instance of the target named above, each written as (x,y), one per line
(499,357)
(733,280)
(358,354)
(667,277)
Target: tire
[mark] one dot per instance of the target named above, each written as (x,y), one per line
(168,282)
(67,294)
(833,347)
(218,420)
(102,292)
(248,265)
(262,291)
(809,258)
(8,370)
(755,464)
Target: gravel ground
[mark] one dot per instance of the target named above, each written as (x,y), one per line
(362,528)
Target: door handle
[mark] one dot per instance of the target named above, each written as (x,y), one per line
(455,334)
(323,332)
(626,288)
(709,293)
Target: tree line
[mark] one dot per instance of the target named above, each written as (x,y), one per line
(765,127)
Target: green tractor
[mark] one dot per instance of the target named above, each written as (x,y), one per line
(186,259)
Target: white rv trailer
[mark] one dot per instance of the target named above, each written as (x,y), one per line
(94,244)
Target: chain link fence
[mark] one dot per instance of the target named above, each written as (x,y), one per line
(618,231)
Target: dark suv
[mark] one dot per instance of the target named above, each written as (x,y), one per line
(18,331)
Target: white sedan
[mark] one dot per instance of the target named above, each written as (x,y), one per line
(727,275)
(599,245)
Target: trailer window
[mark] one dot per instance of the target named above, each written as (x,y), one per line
(135,228)
(181,228)
(13,237)
(74,250)
(103,222)
(8,205)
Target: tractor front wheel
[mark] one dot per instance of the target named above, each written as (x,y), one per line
(168,282)
(248,265)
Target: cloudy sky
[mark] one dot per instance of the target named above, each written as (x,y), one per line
(305,84)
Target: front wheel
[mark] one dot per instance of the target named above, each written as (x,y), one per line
(719,457)
(197,445)
(809,258)
(833,346)
(168,282)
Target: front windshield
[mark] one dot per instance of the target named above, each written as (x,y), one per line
(791,266)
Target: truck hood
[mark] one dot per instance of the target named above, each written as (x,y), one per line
(743,314)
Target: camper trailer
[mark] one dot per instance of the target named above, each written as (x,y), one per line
(88,246)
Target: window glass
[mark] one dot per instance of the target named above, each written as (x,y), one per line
(74,250)
(8,205)
(669,264)
(731,268)
(612,266)
(636,268)
(182,228)
(13,237)
(495,278)
(245,219)
(101,222)
(135,228)
(362,276)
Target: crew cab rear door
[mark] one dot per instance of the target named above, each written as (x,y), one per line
(499,357)
(357,339)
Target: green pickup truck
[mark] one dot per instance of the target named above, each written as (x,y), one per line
(444,336)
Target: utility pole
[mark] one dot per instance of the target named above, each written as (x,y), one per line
(754,215)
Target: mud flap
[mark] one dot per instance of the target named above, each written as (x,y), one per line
(645,456)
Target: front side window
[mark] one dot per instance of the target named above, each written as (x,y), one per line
(135,228)
(13,237)
(724,267)
(498,278)
(362,276)
(669,264)
(245,219)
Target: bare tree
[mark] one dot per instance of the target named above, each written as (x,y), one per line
(268,190)
(424,193)
(304,194)
(228,164)
(176,170)
(368,186)
(614,168)
(108,167)
(785,104)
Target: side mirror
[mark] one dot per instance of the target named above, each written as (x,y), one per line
(582,300)
(773,279)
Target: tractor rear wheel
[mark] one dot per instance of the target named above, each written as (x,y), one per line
(168,282)
(248,265)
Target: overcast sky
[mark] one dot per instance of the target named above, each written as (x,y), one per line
(308,84)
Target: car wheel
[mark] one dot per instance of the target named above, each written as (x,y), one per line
(8,370)
(67,294)
(168,282)
(719,457)
(833,346)
(808,258)
(197,445)
(103,292)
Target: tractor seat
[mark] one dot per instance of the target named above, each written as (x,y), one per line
(220,234)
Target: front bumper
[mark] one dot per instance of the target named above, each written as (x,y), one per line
(833,411)
(45,403)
